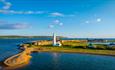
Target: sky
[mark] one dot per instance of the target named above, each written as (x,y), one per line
(70,18)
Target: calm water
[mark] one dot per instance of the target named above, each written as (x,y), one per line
(9,47)
(57,61)
(69,61)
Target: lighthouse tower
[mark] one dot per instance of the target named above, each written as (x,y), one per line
(54,39)
(56,43)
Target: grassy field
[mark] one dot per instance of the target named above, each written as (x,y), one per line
(75,47)
(73,50)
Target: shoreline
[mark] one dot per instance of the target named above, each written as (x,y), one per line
(46,49)
(18,60)
(79,52)
(24,57)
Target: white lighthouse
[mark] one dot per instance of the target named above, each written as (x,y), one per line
(54,39)
(55,43)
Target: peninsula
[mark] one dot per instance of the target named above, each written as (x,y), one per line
(56,45)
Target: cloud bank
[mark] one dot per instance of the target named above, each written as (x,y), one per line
(57,14)
(7,5)
(6,25)
(97,20)
(6,9)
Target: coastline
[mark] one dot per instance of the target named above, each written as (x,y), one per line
(24,57)
(18,60)
(77,51)
(63,50)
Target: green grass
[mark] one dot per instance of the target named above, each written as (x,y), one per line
(75,50)
(73,47)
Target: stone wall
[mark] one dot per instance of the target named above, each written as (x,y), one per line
(74,41)
(63,42)
(42,42)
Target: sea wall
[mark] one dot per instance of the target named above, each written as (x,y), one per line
(19,58)
(24,56)
(42,42)
(74,42)
(63,42)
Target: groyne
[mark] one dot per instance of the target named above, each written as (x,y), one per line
(19,58)
(24,56)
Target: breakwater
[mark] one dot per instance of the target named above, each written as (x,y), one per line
(24,56)
(19,58)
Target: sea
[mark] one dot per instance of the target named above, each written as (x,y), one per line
(55,61)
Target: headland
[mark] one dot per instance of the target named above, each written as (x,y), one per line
(67,46)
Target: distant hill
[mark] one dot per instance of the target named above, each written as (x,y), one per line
(14,36)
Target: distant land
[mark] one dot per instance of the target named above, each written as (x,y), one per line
(58,37)
(15,36)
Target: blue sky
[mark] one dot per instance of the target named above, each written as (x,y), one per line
(71,18)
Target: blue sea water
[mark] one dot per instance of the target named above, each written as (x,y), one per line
(69,61)
(56,61)
(9,47)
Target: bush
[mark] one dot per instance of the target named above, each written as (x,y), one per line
(111,48)
(30,45)
(84,47)
(91,46)
(101,47)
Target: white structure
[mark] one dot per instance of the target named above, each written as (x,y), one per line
(54,39)
(55,43)
(111,45)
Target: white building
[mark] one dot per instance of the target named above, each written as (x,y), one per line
(54,39)
(111,45)
(55,43)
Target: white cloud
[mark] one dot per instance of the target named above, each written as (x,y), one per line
(61,24)
(20,26)
(13,26)
(33,12)
(6,9)
(51,26)
(86,21)
(57,14)
(20,12)
(56,21)
(40,12)
(8,25)
(29,12)
(99,19)
(7,5)
(15,12)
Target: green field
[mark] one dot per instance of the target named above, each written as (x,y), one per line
(74,50)
(73,47)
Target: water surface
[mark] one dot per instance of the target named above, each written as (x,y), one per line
(69,61)
(56,61)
